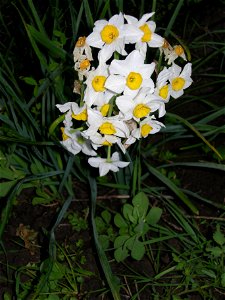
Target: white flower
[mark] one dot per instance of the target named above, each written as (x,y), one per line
(74,142)
(105,126)
(163,88)
(179,79)
(146,127)
(95,84)
(82,66)
(73,111)
(174,53)
(130,75)
(82,48)
(141,106)
(102,103)
(105,165)
(149,37)
(111,36)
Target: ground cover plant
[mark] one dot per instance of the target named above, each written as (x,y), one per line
(151,226)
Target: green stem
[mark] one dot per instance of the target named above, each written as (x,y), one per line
(109,154)
(55,124)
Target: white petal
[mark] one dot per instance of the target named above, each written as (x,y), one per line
(94,40)
(115,83)
(64,107)
(96,161)
(144,18)
(131,19)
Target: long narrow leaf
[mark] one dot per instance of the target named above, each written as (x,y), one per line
(173,188)
(111,279)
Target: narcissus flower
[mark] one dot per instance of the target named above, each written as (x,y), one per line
(149,37)
(105,165)
(147,126)
(105,126)
(95,84)
(130,75)
(111,36)
(179,79)
(174,53)
(82,48)
(74,142)
(162,89)
(141,106)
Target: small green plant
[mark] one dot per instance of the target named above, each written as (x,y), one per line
(105,229)
(133,224)
(78,223)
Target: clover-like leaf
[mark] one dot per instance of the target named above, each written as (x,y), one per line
(120,240)
(138,250)
(140,201)
(119,221)
(154,215)
(120,254)
(106,216)
(218,236)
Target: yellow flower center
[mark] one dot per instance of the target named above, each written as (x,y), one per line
(109,34)
(134,80)
(64,136)
(81,116)
(178,83)
(84,64)
(98,83)
(145,129)
(104,109)
(163,92)
(141,111)
(81,41)
(178,50)
(106,143)
(147,36)
(107,128)
(165,44)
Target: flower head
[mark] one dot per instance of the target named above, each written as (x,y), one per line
(111,36)
(179,79)
(130,75)
(105,165)
(148,37)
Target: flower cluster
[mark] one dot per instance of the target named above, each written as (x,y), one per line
(121,95)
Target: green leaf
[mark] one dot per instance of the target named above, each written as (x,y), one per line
(173,187)
(154,215)
(218,236)
(120,240)
(6,186)
(104,241)
(130,242)
(223,280)
(119,221)
(127,211)
(120,254)
(140,201)
(138,250)
(106,216)
(215,251)
(209,273)
(100,224)
(29,80)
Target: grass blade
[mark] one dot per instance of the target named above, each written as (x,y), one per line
(173,188)
(111,279)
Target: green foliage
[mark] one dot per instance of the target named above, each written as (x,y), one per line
(105,230)
(133,224)
(78,223)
